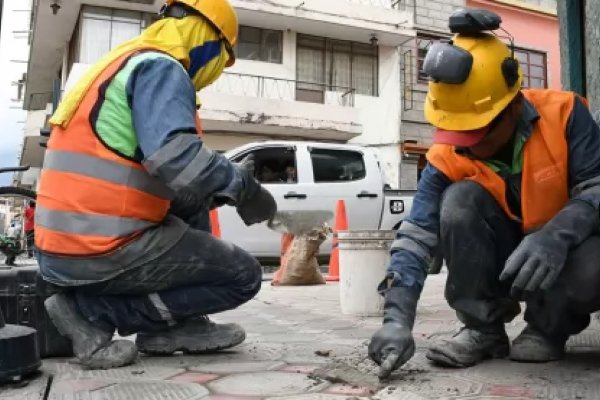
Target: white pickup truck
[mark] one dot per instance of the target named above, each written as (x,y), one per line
(313,176)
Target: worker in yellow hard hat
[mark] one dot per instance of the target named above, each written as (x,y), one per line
(122,210)
(511,195)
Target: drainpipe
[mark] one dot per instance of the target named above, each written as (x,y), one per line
(1,7)
(55,94)
(571,16)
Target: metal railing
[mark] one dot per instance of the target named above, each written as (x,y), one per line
(283,89)
(391,4)
(245,85)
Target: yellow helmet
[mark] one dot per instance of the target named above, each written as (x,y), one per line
(472,80)
(223,17)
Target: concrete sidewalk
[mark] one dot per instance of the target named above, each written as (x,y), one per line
(300,347)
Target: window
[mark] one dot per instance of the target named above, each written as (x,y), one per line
(100,30)
(275,165)
(327,64)
(423,43)
(260,45)
(534,67)
(337,165)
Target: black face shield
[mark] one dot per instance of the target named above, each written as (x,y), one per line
(447,63)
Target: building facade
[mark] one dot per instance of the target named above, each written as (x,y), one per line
(306,70)
(335,70)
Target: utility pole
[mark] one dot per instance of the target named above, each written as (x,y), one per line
(572,20)
(1,7)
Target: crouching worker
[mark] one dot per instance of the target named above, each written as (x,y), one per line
(511,194)
(121,218)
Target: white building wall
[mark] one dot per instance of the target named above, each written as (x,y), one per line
(5,217)
(35,121)
(380,116)
(341,19)
(13,64)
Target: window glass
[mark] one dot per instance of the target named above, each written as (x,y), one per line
(534,68)
(276,165)
(101,29)
(337,165)
(272,46)
(259,44)
(336,65)
(95,40)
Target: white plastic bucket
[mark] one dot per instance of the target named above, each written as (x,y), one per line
(364,257)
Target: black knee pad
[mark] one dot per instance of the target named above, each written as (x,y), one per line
(461,200)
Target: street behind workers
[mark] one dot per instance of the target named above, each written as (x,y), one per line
(511,193)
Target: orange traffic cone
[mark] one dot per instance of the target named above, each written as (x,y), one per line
(215,227)
(341,224)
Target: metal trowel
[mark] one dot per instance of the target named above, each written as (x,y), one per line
(299,222)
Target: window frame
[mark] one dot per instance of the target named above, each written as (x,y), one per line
(262,48)
(314,150)
(327,46)
(76,40)
(527,71)
(241,156)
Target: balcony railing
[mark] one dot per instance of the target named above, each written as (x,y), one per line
(282,89)
(392,4)
(39,101)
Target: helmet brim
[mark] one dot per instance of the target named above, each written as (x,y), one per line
(459,138)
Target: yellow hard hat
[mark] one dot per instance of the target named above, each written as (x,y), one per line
(223,17)
(472,79)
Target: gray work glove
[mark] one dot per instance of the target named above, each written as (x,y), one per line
(258,208)
(256,203)
(393,344)
(540,257)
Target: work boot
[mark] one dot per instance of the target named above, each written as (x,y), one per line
(469,347)
(92,345)
(532,346)
(195,335)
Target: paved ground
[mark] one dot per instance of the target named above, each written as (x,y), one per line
(300,347)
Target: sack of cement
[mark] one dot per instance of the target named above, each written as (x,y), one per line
(299,264)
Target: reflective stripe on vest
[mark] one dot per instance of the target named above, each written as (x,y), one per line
(544,187)
(88,224)
(93,167)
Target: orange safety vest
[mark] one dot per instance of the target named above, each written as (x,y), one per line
(544,184)
(92,200)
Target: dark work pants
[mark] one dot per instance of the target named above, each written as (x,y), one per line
(477,238)
(200,275)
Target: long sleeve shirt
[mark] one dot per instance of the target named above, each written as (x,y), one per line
(163,103)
